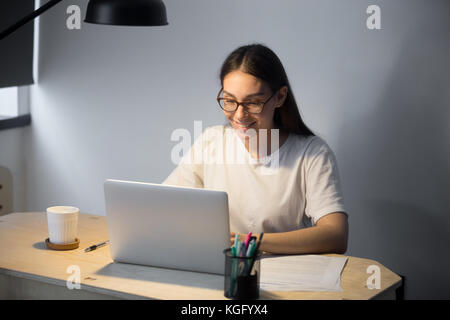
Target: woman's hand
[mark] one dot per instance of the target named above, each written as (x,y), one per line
(232,237)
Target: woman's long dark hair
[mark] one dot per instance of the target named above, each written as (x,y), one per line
(261,62)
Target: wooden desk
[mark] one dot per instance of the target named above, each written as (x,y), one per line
(28,270)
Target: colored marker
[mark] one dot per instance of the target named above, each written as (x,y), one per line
(247,239)
(250,248)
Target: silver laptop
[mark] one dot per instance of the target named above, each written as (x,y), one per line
(167,226)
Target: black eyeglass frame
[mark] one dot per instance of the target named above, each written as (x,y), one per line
(243,103)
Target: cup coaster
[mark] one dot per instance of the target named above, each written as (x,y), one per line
(65,246)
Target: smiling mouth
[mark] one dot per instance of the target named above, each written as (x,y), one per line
(242,125)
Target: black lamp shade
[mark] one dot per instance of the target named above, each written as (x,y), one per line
(127,12)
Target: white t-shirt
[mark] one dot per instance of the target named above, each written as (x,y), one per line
(289,189)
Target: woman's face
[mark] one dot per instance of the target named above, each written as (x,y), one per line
(243,87)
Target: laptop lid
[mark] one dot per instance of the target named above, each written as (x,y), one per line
(167,226)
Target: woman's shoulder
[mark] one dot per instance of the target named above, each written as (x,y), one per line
(308,143)
(310,147)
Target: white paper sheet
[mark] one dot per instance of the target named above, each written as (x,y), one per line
(301,273)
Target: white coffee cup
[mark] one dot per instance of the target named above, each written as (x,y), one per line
(62,224)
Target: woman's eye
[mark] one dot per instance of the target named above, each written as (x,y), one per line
(228,102)
(252,104)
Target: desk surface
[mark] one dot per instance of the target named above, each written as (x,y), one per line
(23,254)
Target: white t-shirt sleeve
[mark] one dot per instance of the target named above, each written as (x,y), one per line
(323,189)
(189,171)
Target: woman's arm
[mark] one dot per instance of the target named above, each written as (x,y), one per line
(329,235)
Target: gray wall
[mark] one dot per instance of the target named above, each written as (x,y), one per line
(108,98)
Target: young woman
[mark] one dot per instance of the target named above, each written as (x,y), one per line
(287,184)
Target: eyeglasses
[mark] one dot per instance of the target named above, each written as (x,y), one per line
(230,105)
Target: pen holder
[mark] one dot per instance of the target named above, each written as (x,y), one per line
(241,276)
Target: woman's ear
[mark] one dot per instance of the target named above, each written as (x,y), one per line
(281,96)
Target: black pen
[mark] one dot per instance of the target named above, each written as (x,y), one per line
(95,246)
(255,254)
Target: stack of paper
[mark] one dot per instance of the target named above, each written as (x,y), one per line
(301,273)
